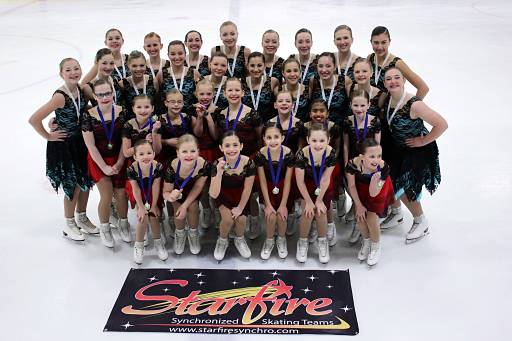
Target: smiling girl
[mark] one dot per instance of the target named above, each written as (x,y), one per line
(194,42)
(237,55)
(153,45)
(273,63)
(104,62)
(300,92)
(307,60)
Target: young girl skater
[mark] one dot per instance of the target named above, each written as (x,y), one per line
(153,45)
(104,62)
(275,170)
(273,63)
(177,75)
(101,129)
(382,60)
(139,83)
(362,73)
(145,175)
(292,127)
(314,166)
(231,185)
(415,157)
(194,42)
(300,92)
(344,57)
(371,190)
(218,68)
(66,153)
(184,181)
(258,87)
(237,55)
(307,60)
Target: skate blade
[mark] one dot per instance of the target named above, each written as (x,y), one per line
(399,222)
(411,241)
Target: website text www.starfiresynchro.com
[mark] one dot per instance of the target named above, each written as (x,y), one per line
(221,330)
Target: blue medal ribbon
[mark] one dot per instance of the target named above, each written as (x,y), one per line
(149,123)
(146,193)
(321,170)
(108,132)
(187,179)
(289,131)
(275,176)
(227,166)
(171,126)
(365,129)
(236,119)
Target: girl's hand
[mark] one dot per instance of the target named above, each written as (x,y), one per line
(108,171)
(282,211)
(220,166)
(236,212)
(57,135)
(376,176)
(52,124)
(117,166)
(415,142)
(360,213)
(181,213)
(200,109)
(155,210)
(211,108)
(269,210)
(141,213)
(309,209)
(174,195)
(156,126)
(320,207)
(149,138)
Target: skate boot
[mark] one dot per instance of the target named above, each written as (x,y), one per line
(268,246)
(242,247)
(418,230)
(179,241)
(106,235)
(394,218)
(282,249)
(193,241)
(138,252)
(160,249)
(220,248)
(72,231)
(302,250)
(323,250)
(365,250)
(373,257)
(85,225)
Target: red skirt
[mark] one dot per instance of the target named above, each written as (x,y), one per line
(328,196)
(379,204)
(96,174)
(275,199)
(337,180)
(230,198)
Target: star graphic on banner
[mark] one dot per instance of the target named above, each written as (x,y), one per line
(247,278)
(312,278)
(306,290)
(152,279)
(329,286)
(201,282)
(332,272)
(346,308)
(234,282)
(166,290)
(127,325)
(199,275)
(171,270)
(274,274)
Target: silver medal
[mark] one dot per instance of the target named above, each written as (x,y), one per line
(275,190)
(109,146)
(147,206)
(317,191)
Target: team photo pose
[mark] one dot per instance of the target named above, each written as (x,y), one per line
(66,153)
(371,189)
(300,92)
(153,45)
(307,60)
(237,55)
(275,164)
(273,63)
(105,65)
(344,57)
(314,166)
(101,130)
(414,158)
(194,42)
(183,183)
(145,175)
(232,179)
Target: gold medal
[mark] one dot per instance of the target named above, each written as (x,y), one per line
(275,191)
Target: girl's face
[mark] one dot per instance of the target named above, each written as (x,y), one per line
(291,72)
(106,65)
(114,41)
(362,73)
(233,92)
(255,66)
(142,109)
(137,67)
(218,66)
(380,44)
(318,140)
(318,113)
(270,43)
(204,94)
(188,152)
(283,103)
(177,55)
(174,103)
(372,157)
(153,46)
(103,94)
(303,43)
(394,81)
(144,154)
(343,40)
(359,105)
(229,35)
(273,138)
(231,147)
(193,42)
(71,72)
(325,67)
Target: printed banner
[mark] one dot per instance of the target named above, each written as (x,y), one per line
(216,301)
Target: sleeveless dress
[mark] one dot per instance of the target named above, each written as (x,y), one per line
(240,63)
(379,83)
(66,161)
(148,69)
(303,110)
(203,66)
(118,74)
(349,129)
(266,103)
(312,69)
(169,131)
(129,94)
(188,89)
(277,70)
(412,168)
(339,103)
(172,177)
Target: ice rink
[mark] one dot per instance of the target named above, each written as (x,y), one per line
(450,286)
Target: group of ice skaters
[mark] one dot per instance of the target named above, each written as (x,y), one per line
(227,135)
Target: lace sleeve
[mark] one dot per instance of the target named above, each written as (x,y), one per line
(250,169)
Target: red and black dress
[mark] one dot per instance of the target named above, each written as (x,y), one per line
(293,135)
(245,130)
(92,123)
(132,173)
(208,146)
(350,129)
(302,161)
(169,130)
(232,185)
(288,162)
(380,203)
(170,176)
(129,93)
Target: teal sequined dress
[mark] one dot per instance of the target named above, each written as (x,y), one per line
(411,168)
(66,161)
